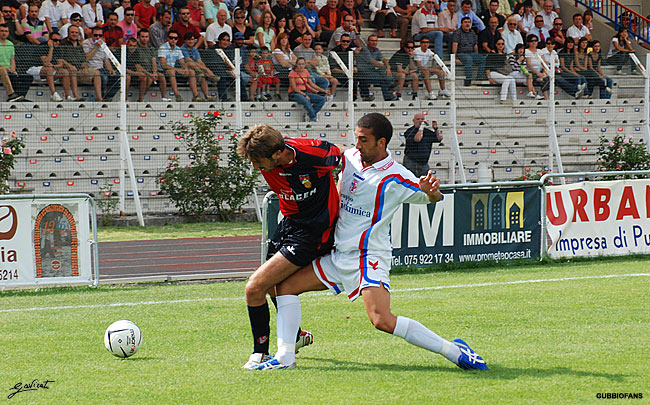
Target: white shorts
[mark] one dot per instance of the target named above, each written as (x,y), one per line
(353,271)
(35,71)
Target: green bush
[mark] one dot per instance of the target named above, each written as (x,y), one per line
(9,148)
(211,183)
(622,153)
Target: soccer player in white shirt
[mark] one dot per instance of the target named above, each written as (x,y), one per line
(372,186)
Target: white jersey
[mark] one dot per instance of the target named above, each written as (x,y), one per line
(369,198)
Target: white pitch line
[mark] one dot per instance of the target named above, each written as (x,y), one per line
(440,287)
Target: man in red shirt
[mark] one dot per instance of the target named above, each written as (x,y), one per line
(197,17)
(330,19)
(145,14)
(113,35)
(184,26)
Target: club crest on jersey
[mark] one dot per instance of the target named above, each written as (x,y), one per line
(304,179)
(354,185)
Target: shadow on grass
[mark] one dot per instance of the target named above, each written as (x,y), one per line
(496,371)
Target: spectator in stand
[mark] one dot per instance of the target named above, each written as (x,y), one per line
(246,6)
(231,4)
(282,9)
(158,30)
(266,76)
(557,33)
(51,12)
(23,10)
(323,70)
(167,5)
(580,64)
(466,12)
(511,35)
(425,25)
(265,34)
(184,25)
(212,8)
(498,71)
(490,12)
(305,51)
(403,64)
(567,71)
(382,14)
(8,65)
(35,30)
(193,62)
(588,20)
(260,7)
(70,7)
(197,16)
(535,67)
(488,37)
(348,28)
(300,28)
(595,74)
(527,21)
(310,12)
(99,60)
(419,141)
(113,35)
(517,62)
(172,61)
(372,65)
(280,26)
(124,4)
(283,60)
(145,14)
(58,71)
(92,14)
(572,87)
(148,63)
(549,15)
(619,52)
(303,91)
(75,20)
(577,30)
(133,71)
(330,19)
(72,53)
(540,32)
(16,30)
(349,8)
(226,72)
(448,21)
(345,45)
(423,58)
(465,47)
(244,69)
(128,26)
(241,27)
(216,28)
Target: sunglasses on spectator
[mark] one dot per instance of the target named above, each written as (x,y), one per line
(185,13)
(408,47)
(532,40)
(174,38)
(557,24)
(56,40)
(76,19)
(129,14)
(424,42)
(97,35)
(239,16)
(512,23)
(345,42)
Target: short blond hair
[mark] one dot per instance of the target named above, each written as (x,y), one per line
(261,141)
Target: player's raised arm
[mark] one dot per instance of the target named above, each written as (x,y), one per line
(430,184)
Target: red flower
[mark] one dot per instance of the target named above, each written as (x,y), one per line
(216,113)
(523,177)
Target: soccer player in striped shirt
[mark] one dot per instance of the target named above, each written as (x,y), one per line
(373,186)
(299,171)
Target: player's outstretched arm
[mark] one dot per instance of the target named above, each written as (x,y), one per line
(431,186)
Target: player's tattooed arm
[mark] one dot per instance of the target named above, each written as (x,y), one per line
(430,184)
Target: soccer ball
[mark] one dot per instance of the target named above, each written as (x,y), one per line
(122,338)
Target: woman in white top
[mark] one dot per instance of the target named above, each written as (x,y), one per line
(527,19)
(620,50)
(283,59)
(535,67)
(92,14)
(382,12)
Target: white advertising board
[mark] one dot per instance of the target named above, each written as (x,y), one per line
(598,218)
(45,241)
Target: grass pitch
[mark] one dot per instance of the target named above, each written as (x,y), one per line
(560,341)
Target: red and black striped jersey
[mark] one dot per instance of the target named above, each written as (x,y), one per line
(306,187)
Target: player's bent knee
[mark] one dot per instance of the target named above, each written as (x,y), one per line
(382,322)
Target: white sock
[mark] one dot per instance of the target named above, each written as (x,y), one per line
(419,335)
(288,323)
